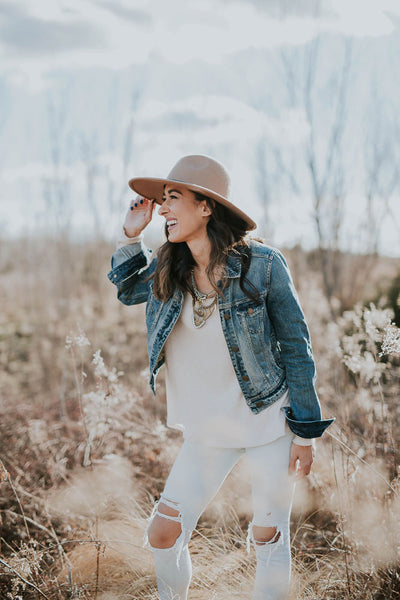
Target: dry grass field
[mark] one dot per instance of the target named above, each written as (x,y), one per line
(84,450)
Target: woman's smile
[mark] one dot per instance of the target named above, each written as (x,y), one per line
(171,224)
(186,218)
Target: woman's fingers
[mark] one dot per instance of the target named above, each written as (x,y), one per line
(141,203)
(303,470)
(301,459)
(292,462)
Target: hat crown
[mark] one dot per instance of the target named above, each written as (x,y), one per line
(203,171)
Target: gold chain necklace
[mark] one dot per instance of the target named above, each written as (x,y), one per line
(203,305)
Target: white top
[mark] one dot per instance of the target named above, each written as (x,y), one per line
(204,399)
(197,363)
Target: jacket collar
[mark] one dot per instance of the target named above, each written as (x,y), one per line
(233,266)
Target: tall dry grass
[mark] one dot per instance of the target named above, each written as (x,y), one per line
(84,450)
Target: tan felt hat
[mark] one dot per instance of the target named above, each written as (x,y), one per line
(199,173)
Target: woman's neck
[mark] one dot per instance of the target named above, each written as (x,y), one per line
(201,250)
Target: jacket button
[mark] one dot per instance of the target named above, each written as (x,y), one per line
(235,348)
(250,311)
(259,404)
(245,377)
(115,276)
(227,317)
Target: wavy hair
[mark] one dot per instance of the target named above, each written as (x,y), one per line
(226,232)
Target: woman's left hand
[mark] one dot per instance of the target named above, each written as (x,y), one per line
(305,456)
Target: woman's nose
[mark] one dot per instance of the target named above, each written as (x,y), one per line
(163,209)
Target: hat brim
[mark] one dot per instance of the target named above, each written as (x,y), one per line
(150,187)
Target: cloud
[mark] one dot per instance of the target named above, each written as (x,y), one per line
(53,39)
(220,119)
(22,34)
(126,12)
(364,18)
(285,8)
(53,36)
(358,17)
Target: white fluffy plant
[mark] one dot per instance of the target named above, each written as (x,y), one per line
(108,408)
(368,334)
(391,341)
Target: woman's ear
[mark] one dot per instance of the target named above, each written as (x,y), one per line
(206,209)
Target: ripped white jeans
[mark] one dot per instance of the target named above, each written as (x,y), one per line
(196,476)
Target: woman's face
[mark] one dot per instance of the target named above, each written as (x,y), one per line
(186,217)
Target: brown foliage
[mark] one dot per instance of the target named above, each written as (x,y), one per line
(85,453)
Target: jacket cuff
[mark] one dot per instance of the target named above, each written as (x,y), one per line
(127,269)
(306,429)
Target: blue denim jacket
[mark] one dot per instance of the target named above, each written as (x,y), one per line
(269,343)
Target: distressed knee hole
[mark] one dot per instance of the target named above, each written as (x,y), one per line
(262,542)
(164,524)
(263,537)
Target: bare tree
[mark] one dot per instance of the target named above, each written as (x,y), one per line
(57,186)
(264,184)
(382,169)
(116,193)
(58,205)
(105,198)
(89,151)
(326,172)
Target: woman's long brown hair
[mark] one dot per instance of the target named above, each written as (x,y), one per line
(175,262)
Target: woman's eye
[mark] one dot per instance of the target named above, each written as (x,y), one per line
(169,198)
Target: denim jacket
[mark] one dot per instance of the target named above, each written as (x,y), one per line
(269,343)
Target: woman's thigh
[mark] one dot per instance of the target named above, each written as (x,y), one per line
(196,476)
(272,485)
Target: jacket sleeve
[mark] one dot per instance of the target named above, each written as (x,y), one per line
(304,413)
(130,266)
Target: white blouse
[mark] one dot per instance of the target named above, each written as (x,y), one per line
(204,399)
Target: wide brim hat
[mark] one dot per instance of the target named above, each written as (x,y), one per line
(198,173)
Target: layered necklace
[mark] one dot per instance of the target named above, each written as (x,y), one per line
(203,305)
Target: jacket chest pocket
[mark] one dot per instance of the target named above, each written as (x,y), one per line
(251,318)
(255,335)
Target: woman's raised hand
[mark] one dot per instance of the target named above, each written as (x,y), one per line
(139,215)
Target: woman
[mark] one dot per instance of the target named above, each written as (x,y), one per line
(223,315)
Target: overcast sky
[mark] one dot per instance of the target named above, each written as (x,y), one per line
(96,92)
